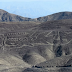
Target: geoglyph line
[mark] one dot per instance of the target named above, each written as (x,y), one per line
(49,43)
(48,34)
(67,42)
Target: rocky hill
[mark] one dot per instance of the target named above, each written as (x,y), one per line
(8,17)
(56,16)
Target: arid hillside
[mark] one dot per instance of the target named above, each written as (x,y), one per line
(56,16)
(36,47)
(8,17)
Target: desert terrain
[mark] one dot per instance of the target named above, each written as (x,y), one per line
(36,46)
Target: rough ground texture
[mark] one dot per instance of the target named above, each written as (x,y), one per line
(35,47)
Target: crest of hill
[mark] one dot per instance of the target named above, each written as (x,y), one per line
(56,16)
(8,17)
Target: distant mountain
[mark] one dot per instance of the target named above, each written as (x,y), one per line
(8,17)
(31,9)
(56,16)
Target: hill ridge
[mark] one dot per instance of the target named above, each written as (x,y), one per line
(9,17)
